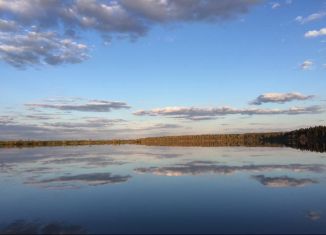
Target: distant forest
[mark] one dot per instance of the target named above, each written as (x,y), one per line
(313,139)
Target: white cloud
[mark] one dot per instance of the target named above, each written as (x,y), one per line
(94,123)
(89,106)
(275,5)
(310,18)
(195,113)
(123,19)
(306,65)
(95,128)
(189,10)
(37,48)
(315,33)
(279,98)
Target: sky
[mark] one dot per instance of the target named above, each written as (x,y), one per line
(96,69)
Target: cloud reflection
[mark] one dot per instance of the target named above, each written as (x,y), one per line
(313,215)
(52,168)
(91,179)
(25,227)
(195,168)
(94,161)
(283,181)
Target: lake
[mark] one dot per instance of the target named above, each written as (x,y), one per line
(139,189)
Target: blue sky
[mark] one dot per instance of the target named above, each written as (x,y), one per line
(168,69)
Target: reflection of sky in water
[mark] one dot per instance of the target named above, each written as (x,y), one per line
(162,189)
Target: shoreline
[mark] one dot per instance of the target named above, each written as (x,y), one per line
(313,138)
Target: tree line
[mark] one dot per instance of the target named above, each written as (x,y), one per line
(313,139)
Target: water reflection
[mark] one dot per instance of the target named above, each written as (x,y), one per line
(92,179)
(25,227)
(313,215)
(195,168)
(126,189)
(283,181)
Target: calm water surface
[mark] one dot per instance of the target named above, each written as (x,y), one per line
(137,189)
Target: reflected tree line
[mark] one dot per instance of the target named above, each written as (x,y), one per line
(313,139)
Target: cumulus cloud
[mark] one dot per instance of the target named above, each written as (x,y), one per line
(90,106)
(313,17)
(194,113)
(315,33)
(187,10)
(102,16)
(39,48)
(283,181)
(306,65)
(120,16)
(279,98)
(124,18)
